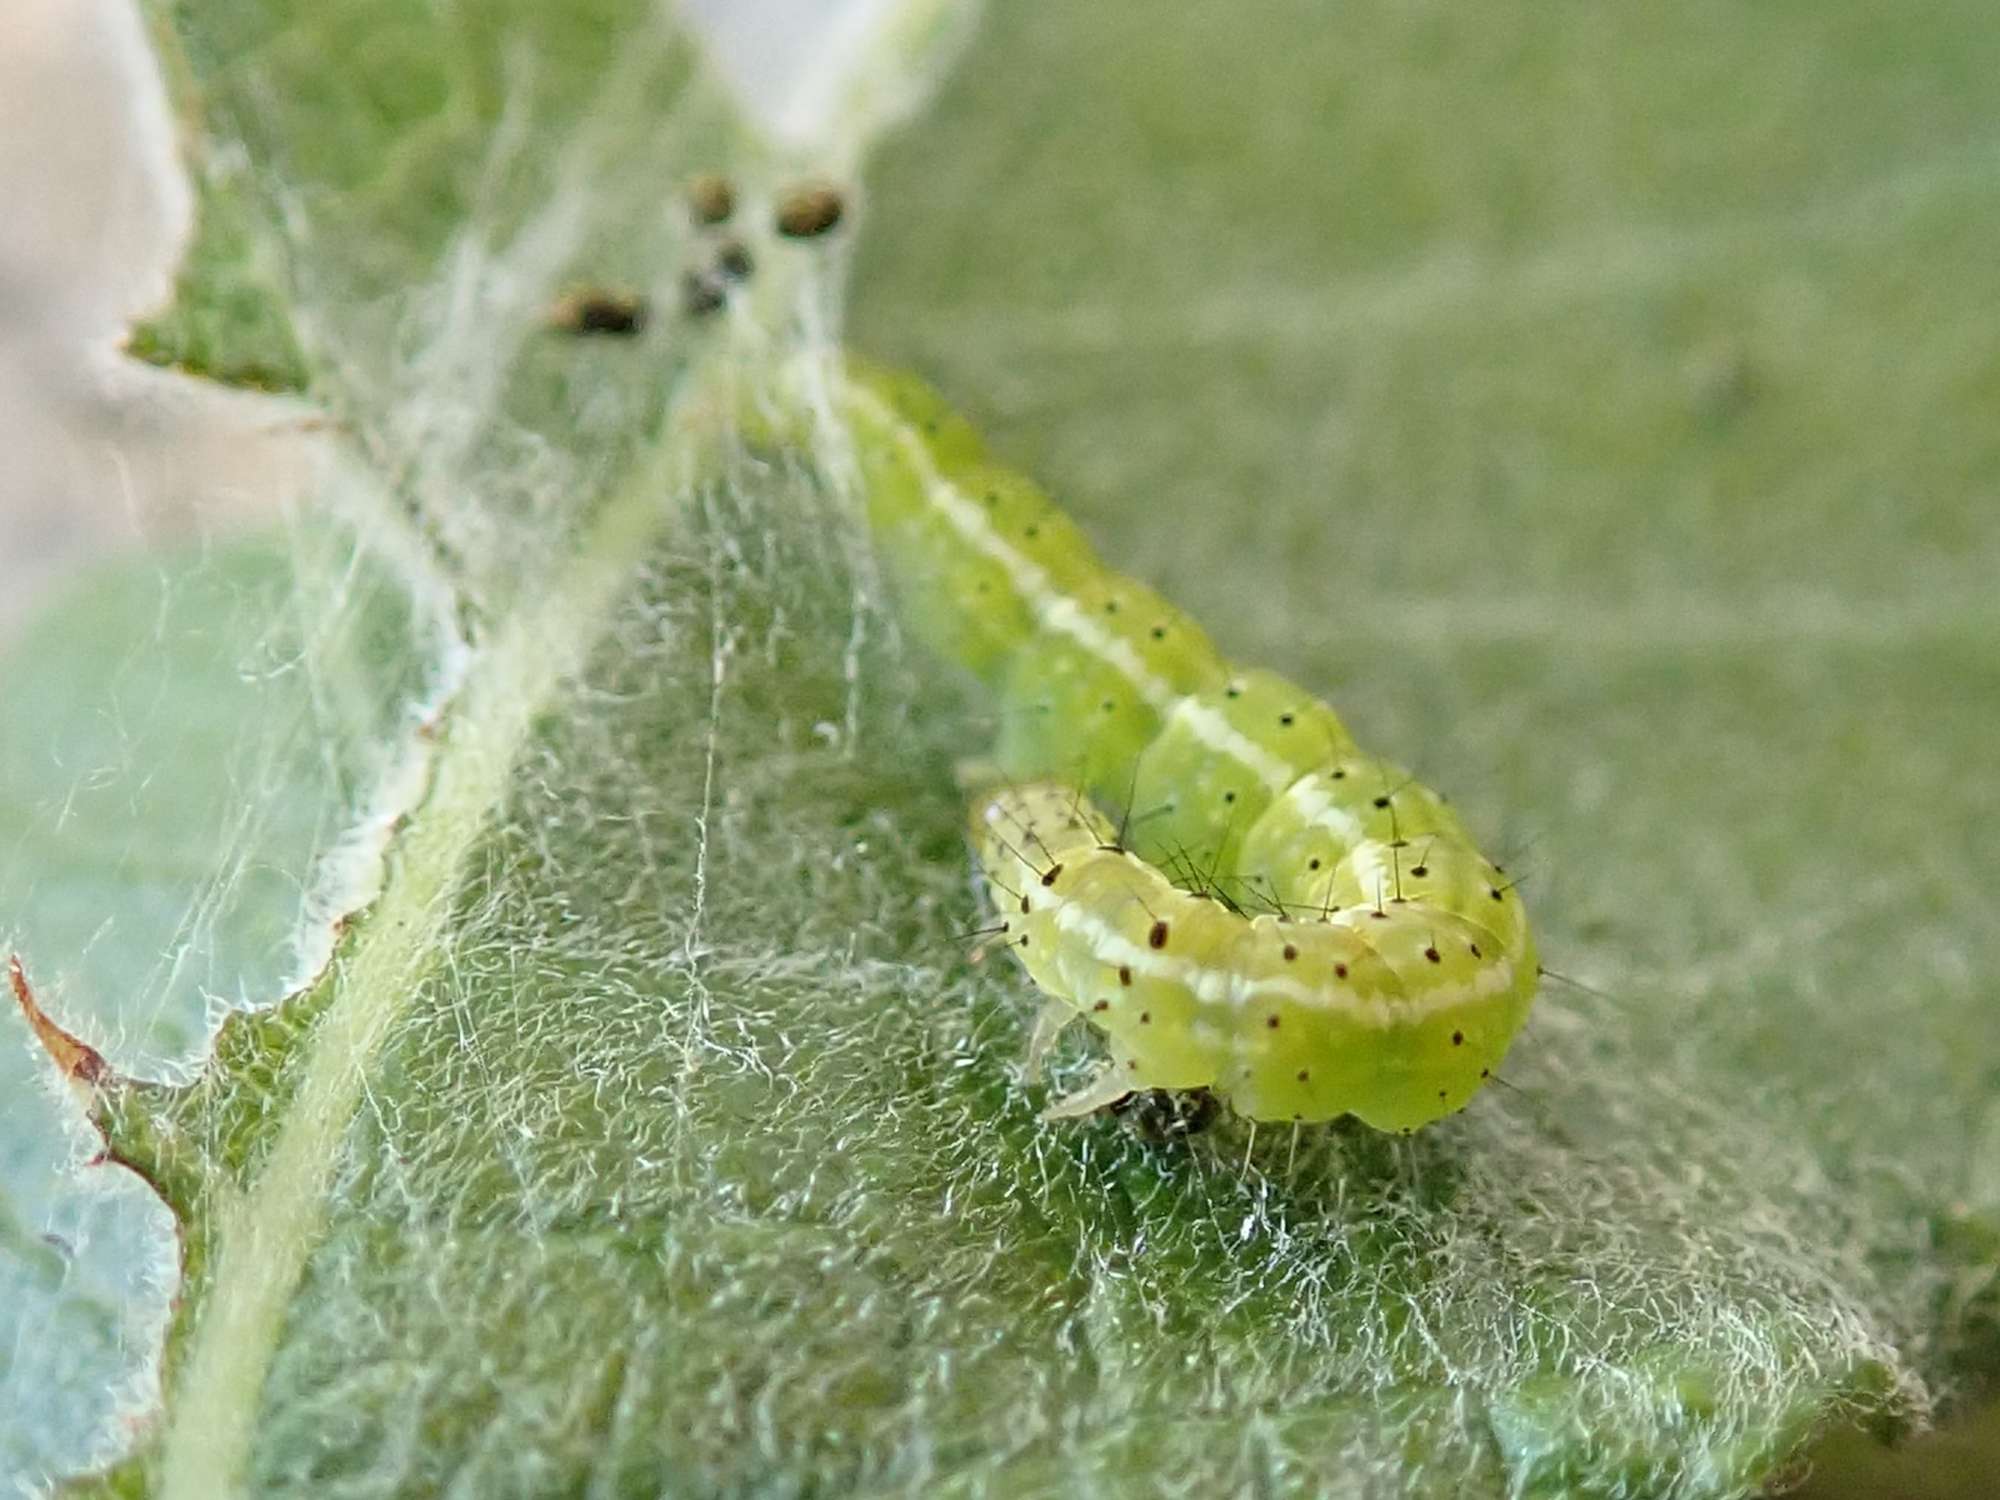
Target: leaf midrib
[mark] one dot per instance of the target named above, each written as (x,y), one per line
(264,1235)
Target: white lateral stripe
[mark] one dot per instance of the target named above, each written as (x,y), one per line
(1062,614)
(1218,986)
(1054,609)
(1316,805)
(1213,729)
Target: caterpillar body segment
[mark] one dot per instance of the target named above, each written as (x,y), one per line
(1394,1013)
(1220,759)
(974,549)
(896,403)
(1293,849)
(1093,685)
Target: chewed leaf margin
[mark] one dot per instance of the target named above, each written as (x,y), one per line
(227,318)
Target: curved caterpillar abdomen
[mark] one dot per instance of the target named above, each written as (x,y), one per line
(1394,1011)
(1391,965)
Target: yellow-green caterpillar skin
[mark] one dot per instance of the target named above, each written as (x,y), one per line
(1392,964)
(1395,1012)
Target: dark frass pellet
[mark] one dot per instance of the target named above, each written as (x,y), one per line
(599,310)
(809,210)
(710,199)
(732,260)
(703,293)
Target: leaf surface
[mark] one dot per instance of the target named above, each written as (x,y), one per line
(649,1132)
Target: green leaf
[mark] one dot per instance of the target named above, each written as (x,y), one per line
(1591,404)
(188,736)
(228,319)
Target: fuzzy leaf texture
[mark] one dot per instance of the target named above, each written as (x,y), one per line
(1592,405)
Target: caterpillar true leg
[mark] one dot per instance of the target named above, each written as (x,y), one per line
(1050,1022)
(1106,1089)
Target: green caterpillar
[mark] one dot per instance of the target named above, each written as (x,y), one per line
(1393,964)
